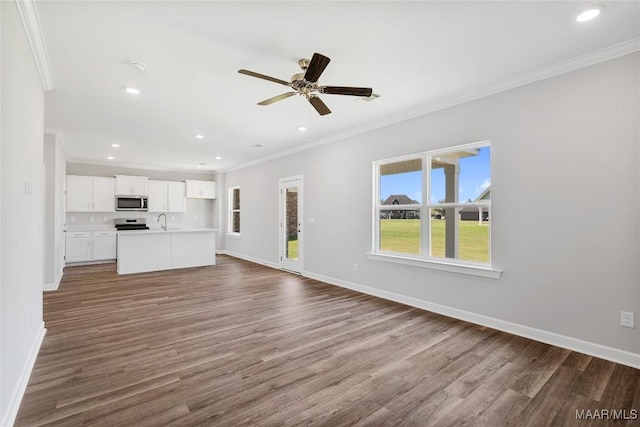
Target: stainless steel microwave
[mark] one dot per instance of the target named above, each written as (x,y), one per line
(132,203)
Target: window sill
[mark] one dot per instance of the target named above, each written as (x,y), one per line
(234,235)
(474,270)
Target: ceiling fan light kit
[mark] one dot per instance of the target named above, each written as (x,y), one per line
(306,84)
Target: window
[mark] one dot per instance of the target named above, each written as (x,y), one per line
(234,210)
(435,206)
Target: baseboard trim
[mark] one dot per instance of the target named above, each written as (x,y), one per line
(592,349)
(250,259)
(18,394)
(54,286)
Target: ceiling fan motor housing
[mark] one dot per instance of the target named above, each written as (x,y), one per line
(301,85)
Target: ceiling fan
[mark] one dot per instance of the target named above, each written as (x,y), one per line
(306,84)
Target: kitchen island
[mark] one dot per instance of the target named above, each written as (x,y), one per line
(158,249)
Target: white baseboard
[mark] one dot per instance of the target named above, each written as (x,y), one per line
(592,349)
(251,259)
(16,398)
(54,286)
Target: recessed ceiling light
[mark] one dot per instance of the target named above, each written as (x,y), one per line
(302,128)
(132,90)
(589,14)
(198,136)
(115,145)
(109,157)
(218,158)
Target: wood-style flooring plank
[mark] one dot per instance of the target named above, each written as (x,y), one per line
(240,344)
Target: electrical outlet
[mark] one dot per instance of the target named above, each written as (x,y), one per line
(90,219)
(73,219)
(105,219)
(173,218)
(355,267)
(626,319)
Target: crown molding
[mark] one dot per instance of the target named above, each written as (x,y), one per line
(582,61)
(31,23)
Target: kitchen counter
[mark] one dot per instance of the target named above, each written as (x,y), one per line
(156,249)
(170,230)
(105,227)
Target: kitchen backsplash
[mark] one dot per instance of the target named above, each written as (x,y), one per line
(199,214)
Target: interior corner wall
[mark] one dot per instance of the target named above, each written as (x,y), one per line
(55,167)
(565,205)
(21,246)
(49,208)
(60,185)
(220,211)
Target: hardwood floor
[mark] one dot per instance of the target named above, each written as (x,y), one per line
(242,344)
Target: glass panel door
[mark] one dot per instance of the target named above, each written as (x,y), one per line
(291,224)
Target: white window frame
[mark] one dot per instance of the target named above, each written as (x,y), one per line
(231,211)
(424,259)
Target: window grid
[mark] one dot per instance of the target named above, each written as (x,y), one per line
(425,208)
(233,226)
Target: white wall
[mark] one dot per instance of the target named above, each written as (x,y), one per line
(565,208)
(60,185)
(55,166)
(49,208)
(21,244)
(199,213)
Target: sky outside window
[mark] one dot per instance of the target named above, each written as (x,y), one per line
(475,177)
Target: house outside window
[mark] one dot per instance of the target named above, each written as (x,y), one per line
(435,205)
(234,211)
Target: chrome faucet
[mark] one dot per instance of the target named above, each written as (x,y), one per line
(164,227)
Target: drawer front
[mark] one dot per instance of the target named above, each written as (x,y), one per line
(78,234)
(104,234)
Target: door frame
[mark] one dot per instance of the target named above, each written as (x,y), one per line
(286,264)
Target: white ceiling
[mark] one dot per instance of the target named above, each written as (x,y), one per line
(416,55)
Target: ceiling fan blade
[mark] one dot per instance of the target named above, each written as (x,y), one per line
(320,106)
(262,76)
(316,67)
(277,98)
(342,90)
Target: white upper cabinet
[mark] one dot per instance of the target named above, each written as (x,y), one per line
(104,194)
(167,196)
(157,196)
(79,193)
(201,189)
(131,185)
(176,197)
(90,194)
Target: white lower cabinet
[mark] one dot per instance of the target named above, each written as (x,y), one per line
(104,245)
(83,246)
(78,247)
